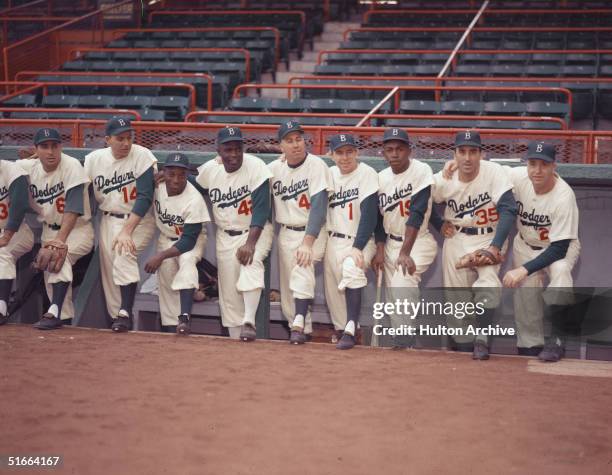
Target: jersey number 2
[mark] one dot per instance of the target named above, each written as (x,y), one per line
(128,196)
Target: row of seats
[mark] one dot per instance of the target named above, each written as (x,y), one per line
(145,114)
(493,4)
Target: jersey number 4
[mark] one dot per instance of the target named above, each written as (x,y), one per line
(486,216)
(245,207)
(303,202)
(59,204)
(3,211)
(128,195)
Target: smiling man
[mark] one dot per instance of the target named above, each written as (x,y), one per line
(59,195)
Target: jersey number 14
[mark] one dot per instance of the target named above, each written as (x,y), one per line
(128,195)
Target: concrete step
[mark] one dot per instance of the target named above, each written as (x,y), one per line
(274,93)
(321,45)
(283,78)
(310,56)
(332,36)
(302,66)
(339,26)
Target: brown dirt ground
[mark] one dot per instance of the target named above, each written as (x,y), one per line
(146,403)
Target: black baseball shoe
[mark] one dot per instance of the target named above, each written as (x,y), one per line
(346,342)
(297,336)
(481,351)
(48,322)
(551,353)
(529,350)
(248,332)
(4,318)
(184,325)
(121,324)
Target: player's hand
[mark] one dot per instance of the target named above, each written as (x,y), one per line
(514,277)
(497,253)
(27,153)
(4,240)
(303,255)
(123,244)
(449,169)
(245,254)
(448,229)
(154,263)
(159,177)
(405,262)
(357,256)
(378,261)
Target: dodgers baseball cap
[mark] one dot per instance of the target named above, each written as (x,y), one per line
(468,137)
(46,135)
(177,160)
(229,134)
(287,128)
(118,125)
(341,140)
(396,134)
(541,151)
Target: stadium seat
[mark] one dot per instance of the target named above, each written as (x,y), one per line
(153,115)
(548,109)
(504,108)
(287,105)
(580,70)
(257,104)
(420,107)
(327,105)
(366,105)
(54,100)
(462,107)
(102,66)
(175,107)
(132,102)
(93,102)
(22,100)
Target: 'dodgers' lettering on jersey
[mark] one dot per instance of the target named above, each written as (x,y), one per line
(4,191)
(106,185)
(342,197)
(231,198)
(532,218)
(168,218)
(471,205)
(48,194)
(290,191)
(393,200)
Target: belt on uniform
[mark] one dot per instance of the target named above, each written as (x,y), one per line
(340,235)
(294,228)
(53,226)
(473,231)
(232,232)
(115,215)
(396,238)
(535,248)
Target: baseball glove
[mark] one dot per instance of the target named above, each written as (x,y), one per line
(51,256)
(478,258)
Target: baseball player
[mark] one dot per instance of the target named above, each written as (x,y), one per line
(16,238)
(405,248)
(546,245)
(351,219)
(238,187)
(180,212)
(480,210)
(122,175)
(300,185)
(59,195)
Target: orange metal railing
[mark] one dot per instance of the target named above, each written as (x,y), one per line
(75,110)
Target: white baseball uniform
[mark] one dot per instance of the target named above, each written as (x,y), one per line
(394,196)
(178,273)
(114,184)
(230,196)
(343,217)
(22,241)
(292,189)
(48,194)
(542,219)
(471,205)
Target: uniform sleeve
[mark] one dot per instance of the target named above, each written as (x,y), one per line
(379,231)
(202,179)
(145,160)
(424,177)
(259,173)
(418,208)
(19,197)
(74,200)
(145,187)
(321,181)
(318,213)
(435,219)
(73,172)
(564,220)
(189,237)
(507,209)
(261,204)
(194,181)
(367,221)
(437,194)
(556,251)
(196,211)
(368,185)
(500,182)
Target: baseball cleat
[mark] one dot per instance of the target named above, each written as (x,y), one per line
(346,342)
(3,319)
(184,326)
(121,324)
(529,351)
(48,322)
(336,336)
(248,332)
(551,353)
(297,336)
(481,351)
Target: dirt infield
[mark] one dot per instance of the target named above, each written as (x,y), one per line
(146,403)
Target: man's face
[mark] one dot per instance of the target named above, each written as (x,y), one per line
(397,155)
(541,173)
(49,153)
(293,146)
(345,158)
(231,155)
(176,179)
(120,144)
(468,159)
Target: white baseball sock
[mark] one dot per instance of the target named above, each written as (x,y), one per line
(234,332)
(350,328)
(251,301)
(3,308)
(53,310)
(298,321)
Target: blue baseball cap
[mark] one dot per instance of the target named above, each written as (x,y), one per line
(541,151)
(341,140)
(47,135)
(288,127)
(470,138)
(396,134)
(118,125)
(229,134)
(177,160)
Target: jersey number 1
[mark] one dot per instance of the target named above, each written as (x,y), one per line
(128,196)
(3,211)
(404,207)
